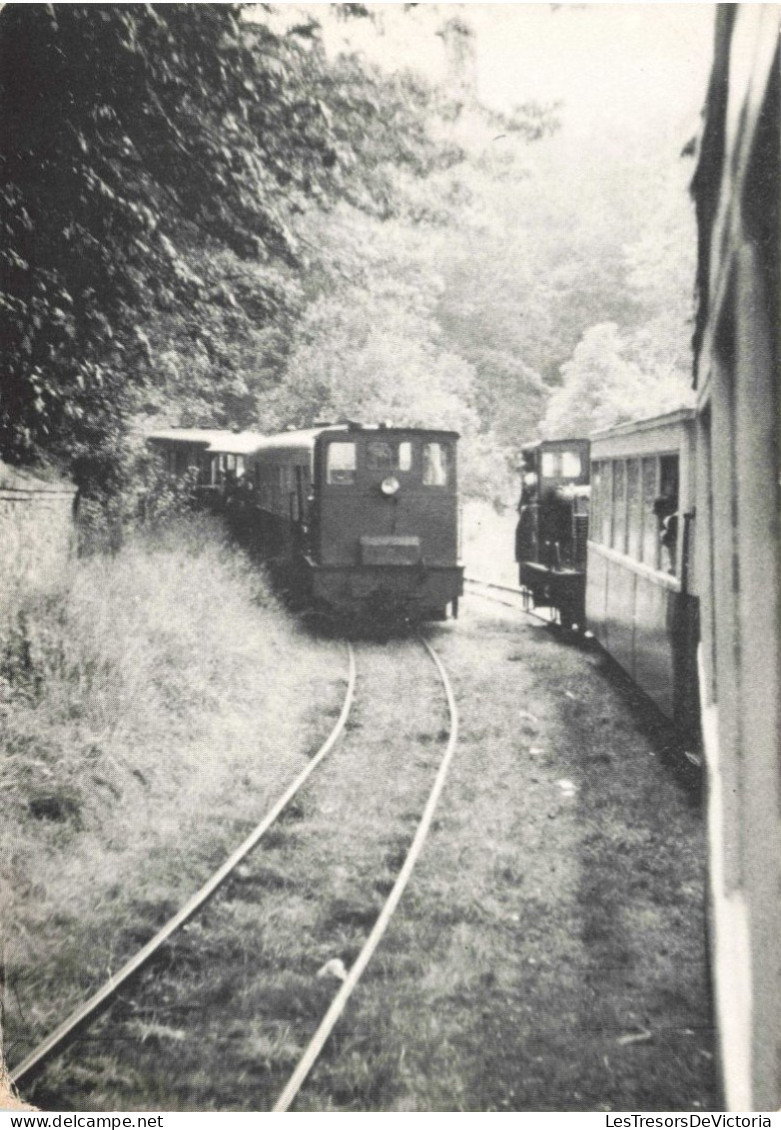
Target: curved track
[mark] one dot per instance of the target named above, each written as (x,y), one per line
(59,1038)
(336,1008)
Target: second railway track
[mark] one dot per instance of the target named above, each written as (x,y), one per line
(315,897)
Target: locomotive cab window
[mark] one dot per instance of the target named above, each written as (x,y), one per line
(382,455)
(561,465)
(340,463)
(436,465)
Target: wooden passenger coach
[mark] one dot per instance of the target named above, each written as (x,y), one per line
(736,188)
(213,457)
(640,600)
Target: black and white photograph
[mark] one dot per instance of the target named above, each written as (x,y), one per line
(390,535)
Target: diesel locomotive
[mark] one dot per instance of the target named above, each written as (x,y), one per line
(358,518)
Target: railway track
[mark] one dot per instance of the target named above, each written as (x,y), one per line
(99,1001)
(478,584)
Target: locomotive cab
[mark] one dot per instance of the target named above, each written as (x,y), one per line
(552,530)
(386,520)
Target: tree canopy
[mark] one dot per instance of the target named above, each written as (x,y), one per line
(210,220)
(148,153)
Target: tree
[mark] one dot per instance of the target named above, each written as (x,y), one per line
(148,153)
(602,385)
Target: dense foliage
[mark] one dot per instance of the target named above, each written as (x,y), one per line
(208,219)
(154,159)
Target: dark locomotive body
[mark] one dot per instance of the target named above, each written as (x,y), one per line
(359,518)
(550,538)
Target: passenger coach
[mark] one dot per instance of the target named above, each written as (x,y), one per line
(641,601)
(213,458)
(736,188)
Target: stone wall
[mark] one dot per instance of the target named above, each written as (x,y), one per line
(37,528)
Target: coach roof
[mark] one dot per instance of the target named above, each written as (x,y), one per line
(212,440)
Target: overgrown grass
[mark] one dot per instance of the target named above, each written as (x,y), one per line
(151,706)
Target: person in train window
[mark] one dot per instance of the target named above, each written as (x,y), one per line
(666,511)
(669,539)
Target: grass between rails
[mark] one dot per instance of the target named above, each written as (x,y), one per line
(152,705)
(221,1020)
(550,954)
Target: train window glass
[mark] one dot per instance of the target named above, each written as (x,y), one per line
(380,455)
(384,456)
(596,499)
(436,464)
(668,477)
(340,463)
(264,483)
(561,464)
(619,506)
(550,464)
(650,546)
(607,494)
(667,511)
(634,509)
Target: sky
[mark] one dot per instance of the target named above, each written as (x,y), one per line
(617,63)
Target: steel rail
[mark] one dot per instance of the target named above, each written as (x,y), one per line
(58,1038)
(506,603)
(337,1006)
(492,585)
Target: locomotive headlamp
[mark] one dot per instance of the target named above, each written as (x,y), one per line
(389,486)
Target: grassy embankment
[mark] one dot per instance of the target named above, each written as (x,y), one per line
(151,707)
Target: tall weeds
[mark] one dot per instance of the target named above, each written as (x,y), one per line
(150,701)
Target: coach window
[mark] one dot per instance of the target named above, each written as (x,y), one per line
(436,464)
(634,509)
(340,468)
(650,484)
(405,456)
(570,464)
(595,502)
(667,512)
(668,477)
(619,506)
(606,495)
